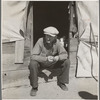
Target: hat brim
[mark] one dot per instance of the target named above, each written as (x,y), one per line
(50,34)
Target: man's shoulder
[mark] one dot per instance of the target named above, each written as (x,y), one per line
(58,43)
(40,40)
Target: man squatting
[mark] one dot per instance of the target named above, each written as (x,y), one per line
(49,53)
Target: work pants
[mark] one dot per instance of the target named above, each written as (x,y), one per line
(35,66)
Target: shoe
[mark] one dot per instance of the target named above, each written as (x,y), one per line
(33,91)
(63,86)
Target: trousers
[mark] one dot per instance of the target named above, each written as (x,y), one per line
(62,77)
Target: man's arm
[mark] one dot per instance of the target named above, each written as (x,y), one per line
(62,53)
(37,51)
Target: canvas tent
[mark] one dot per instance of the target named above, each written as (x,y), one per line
(87,56)
(18,22)
(13,23)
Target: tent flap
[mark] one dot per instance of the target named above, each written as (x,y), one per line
(13,18)
(87,55)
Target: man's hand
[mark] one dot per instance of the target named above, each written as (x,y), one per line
(50,58)
(56,58)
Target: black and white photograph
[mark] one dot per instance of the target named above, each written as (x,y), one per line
(49,50)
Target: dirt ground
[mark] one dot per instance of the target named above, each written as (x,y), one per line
(15,82)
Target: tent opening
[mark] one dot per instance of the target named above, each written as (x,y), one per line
(50,13)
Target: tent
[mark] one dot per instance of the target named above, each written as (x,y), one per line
(18,23)
(88,22)
(13,24)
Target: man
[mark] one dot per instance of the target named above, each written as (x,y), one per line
(48,53)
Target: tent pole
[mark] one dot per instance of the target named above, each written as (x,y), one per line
(19,51)
(31,31)
(91,33)
(93,38)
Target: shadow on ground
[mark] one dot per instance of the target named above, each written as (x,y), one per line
(47,74)
(53,73)
(87,95)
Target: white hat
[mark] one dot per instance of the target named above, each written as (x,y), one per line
(51,31)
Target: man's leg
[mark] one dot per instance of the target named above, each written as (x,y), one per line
(63,77)
(33,67)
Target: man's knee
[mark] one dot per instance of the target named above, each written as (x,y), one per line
(67,63)
(33,64)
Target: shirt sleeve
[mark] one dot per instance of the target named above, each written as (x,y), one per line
(62,53)
(37,51)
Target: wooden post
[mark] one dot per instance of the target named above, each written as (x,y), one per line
(19,51)
(31,29)
(30,25)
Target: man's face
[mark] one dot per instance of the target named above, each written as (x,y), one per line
(50,39)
